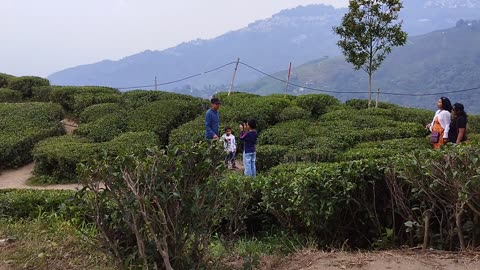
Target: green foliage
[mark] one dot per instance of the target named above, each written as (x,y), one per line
(316,104)
(160,210)
(360,104)
(269,156)
(25,84)
(188,133)
(4,79)
(56,159)
(292,113)
(383,149)
(368,32)
(443,183)
(8,95)
(97,111)
(24,124)
(25,203)
(319,154)
(265,110)
(329,199)
(103,129)
(285,133)
(473,125)
(138,98)
(41,93)
(74,99)
(163,116)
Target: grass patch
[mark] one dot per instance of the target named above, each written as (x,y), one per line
(48,243)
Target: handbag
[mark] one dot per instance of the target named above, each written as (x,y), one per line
(435,137)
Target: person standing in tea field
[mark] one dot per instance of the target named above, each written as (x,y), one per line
(440,124)
(212,120)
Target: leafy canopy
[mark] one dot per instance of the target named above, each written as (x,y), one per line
(368,32)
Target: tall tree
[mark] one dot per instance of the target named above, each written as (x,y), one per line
(368,32)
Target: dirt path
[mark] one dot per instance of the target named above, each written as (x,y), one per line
(17,178)
(392,260)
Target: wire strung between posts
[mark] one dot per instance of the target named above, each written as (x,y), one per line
(179,80)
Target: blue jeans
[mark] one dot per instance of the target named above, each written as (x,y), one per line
(249,164)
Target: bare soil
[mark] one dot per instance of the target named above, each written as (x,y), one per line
(392,260)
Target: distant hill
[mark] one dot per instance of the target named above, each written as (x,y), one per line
(441,61)
(297,35)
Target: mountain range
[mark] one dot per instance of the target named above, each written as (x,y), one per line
(296,35)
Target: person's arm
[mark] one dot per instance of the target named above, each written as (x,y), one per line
(461,127)
(234,144)
(430,126)
(444,118)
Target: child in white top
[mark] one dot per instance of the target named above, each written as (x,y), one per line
(230,147)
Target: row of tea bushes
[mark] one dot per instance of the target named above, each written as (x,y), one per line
(9,95)
(56,159)
(22,125)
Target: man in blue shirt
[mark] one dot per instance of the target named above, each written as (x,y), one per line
(212,120)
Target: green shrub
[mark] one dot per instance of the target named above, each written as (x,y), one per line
(167,203)
(188,133)
(26,203)
(473,125)
(360,104)
(138,98)
(97,111)
(8,95)
(316,104)
(269,156)
(329,200)
(285,133)
(318,154)
(41,93)
(163,116)
(76,98)
(56,159)
(292,113)
(103,129)
(383,149)
(4,79)
(25,84)
(22,125)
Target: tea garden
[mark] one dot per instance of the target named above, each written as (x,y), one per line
(330,173)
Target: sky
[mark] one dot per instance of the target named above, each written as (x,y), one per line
(38,38)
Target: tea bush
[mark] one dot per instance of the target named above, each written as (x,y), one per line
(9,95)
(41,93)
(285,133)
(163,116)
(103,129)
(26,203)
(137,98)
(360,104)
(56,159)
(22,125)
(383,149)
(76,98)
(292,113)
(316,104)
(269,156)
(25,84)
(97,111)
(188,133)
(4,79)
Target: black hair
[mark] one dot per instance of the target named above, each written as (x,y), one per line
(227,128)
(446,104)
(459,110)
(252,123)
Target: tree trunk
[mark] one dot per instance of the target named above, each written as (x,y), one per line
(369,90)
(426,233)
(458,219)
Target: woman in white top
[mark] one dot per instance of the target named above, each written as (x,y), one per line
(441,121)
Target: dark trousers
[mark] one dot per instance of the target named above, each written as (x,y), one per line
(230,157)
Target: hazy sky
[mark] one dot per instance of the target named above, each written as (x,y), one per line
(42,37)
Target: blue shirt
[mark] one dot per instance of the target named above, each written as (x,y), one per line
(250,139)
(212,123)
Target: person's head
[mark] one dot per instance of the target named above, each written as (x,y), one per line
(459,110)
(252,124)
(215,103)
(228,131)
(444,104)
